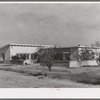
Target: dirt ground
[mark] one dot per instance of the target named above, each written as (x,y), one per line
(17,80)
(10,79)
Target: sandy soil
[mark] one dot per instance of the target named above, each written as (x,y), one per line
(17,80)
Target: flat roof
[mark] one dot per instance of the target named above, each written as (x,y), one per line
(79,46)
(25,45)
(46,46)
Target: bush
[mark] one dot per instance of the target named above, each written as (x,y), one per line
(86,78)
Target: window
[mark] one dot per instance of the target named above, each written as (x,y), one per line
(3,56)
(27,56)
(66,56)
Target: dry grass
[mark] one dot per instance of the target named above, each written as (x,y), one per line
(86,75)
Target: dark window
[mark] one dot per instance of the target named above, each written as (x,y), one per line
(3,56)
(66,56)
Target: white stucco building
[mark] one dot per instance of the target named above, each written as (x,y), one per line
(8,51)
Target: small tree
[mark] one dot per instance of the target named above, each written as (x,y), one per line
(49,64)
(49,58)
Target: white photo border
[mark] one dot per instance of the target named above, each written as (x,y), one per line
(51,93)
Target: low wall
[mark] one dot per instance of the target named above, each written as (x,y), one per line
(16,62)
(27,62)
(19,62)
(83,63)
(89,63)
(72,63)
(7,62)
(57,63)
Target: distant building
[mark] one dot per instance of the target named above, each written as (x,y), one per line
(13,51)
(68,56)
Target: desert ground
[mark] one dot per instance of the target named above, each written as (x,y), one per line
(36,76)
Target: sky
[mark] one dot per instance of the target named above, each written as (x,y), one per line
(53,24)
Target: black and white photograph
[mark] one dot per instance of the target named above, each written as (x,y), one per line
(50,45)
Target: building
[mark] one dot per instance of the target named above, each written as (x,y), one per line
(69,56)
(14,51)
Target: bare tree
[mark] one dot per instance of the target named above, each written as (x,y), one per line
(49,58)
(49,64)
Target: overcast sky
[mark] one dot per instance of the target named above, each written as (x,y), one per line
(61,24)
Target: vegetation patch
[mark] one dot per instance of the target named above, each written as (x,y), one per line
(32,73)
(86,78)
(86,75)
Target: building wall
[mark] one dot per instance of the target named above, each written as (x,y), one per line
(21,49)
(73,54)
(6,51)
(9,50)
(65,53)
